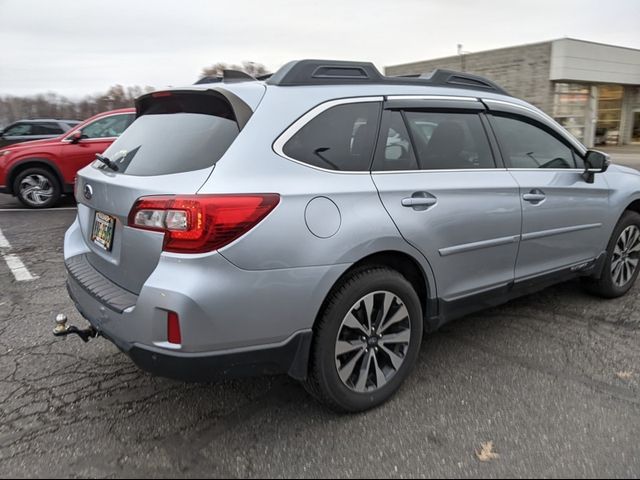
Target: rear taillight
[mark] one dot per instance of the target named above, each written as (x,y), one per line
(201,223)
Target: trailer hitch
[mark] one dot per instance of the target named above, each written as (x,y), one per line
(63,330)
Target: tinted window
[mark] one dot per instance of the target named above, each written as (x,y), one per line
(162,144)
(108,127)
(445,141)
(47,129)
(341,138)
(525,145)
(398,152)
(17,130)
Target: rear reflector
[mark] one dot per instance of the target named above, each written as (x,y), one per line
(201,223)
(173,329)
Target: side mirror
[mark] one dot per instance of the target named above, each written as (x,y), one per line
(76,137)
(595,162)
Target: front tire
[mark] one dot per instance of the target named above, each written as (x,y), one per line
(37,188)
(367,340)
(622,261)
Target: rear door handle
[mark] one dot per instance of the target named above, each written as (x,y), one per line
(534,196)
(419,201)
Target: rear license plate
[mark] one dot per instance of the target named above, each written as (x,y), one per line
(103,227)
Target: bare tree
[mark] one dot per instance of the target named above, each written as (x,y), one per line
(52,105)
(252,68)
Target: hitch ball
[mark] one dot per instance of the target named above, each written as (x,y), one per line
(61,324)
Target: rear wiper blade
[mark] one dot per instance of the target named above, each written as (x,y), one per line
(107,162)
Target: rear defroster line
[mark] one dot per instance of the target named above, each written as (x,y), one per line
(18,269)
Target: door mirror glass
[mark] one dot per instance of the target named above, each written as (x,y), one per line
(596,161)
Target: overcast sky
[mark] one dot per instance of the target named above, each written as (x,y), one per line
(76,47)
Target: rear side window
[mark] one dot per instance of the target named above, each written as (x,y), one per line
(398,152)
(340,138)
(525,145)
(449,141)
(175,134)
(18,130)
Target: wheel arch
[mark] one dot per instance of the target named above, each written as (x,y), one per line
(28,163)
(406,265)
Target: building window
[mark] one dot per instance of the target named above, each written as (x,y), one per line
(571,102)
(609,114)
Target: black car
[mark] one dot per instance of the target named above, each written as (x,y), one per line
(26,130)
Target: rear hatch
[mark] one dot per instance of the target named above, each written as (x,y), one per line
(171,148)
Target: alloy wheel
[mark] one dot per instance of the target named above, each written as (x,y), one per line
(373,341)
(626,256)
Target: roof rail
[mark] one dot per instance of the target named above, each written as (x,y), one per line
(228,76)
(336,72)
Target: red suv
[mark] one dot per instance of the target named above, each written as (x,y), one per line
(40,172)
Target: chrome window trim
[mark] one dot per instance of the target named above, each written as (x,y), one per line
(450,170)
(433,97)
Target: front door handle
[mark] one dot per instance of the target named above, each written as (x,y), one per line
(534,196)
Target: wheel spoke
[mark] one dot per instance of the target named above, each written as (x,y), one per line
(627,272)
(399,316)
(617,273)
(368,310)
(615,266)
(352,322)
(386,308)
(363,376)
(346,347)
(633,239)
(633,262)
(396,360)
(402,337)
(347,370)
(381,380)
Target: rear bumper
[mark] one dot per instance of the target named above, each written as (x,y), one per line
(289,357)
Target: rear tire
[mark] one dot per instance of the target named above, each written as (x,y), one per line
(621,266)
(366,342)
(37,188)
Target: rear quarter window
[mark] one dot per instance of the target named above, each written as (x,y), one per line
(340,138)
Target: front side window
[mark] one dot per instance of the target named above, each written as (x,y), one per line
(108,127)
(18,130)
(340,138)
(525,145)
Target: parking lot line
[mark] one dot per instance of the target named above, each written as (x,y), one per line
(15,264)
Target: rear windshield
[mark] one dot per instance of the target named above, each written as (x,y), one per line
(174,137)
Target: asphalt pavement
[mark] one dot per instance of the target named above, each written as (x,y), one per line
(553,380)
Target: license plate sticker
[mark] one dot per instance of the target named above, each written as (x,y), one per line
(103,227)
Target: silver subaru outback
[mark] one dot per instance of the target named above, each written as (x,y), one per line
(319,222)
